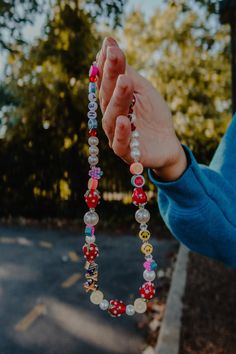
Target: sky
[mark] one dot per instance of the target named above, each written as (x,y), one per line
(147,6)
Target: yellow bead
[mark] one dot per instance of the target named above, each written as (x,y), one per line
(96,297)
(140,305)
(147,248)
(144,235)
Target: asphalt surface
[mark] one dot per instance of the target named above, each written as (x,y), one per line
(45,311)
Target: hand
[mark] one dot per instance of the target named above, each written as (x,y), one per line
(160,148)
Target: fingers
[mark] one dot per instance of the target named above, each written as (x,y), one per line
(101,56)
(121,139)
(114,66)
(118,105)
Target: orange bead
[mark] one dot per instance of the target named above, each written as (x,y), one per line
(136,168)
(92,183)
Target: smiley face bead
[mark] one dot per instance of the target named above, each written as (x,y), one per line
(146,248)
(144,235)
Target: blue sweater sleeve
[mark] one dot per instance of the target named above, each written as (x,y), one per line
(199,208)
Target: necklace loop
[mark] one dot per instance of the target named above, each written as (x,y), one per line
(116,307)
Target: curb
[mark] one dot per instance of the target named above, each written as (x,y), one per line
(169,337)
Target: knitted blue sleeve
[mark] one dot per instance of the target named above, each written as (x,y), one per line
(199,208)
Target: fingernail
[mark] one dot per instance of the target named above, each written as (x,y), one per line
(111,55)
(121,83)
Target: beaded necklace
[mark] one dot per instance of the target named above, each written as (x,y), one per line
(116,307)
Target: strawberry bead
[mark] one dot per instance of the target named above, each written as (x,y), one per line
(147,291)
(90,252)
(116,308)
(92,198)
(139,196)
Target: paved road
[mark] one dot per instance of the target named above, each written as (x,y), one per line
(44,310)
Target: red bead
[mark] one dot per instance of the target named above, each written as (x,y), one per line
(147,291)
(139,196)
(130,110)
(92,79)
(117,308)
(139,181)
(90,252)
(92,198)
(92,132)
(133,127)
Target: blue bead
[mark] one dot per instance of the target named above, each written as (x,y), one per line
(92,87)
(88,231)
(153,265)
(92,123)
(132,181)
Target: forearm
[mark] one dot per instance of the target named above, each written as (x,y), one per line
(199,208)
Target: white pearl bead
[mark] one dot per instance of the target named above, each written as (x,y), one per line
(93,160)
(93,150)
(140,305)
(92,115)
(134,143)
(92,97)
(93,140)
(90,239)
(91,218)
(142,216)
(92,106)
(130,311)
(135,134)
(104,305)
(135,153)
(96,297)
(149,276)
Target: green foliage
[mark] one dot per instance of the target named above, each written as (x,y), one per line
(110,10)
(186,56)
(14,14)
(48,145)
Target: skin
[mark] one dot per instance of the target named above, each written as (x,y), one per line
(160,148)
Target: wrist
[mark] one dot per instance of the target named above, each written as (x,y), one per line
(175,169)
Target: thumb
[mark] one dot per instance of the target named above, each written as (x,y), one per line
(121,139)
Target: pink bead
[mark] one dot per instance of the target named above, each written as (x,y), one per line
(136,168)
(93,70)
(147,265)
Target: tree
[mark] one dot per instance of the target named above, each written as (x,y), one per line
(185,53)
(15,14)
(46,140)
